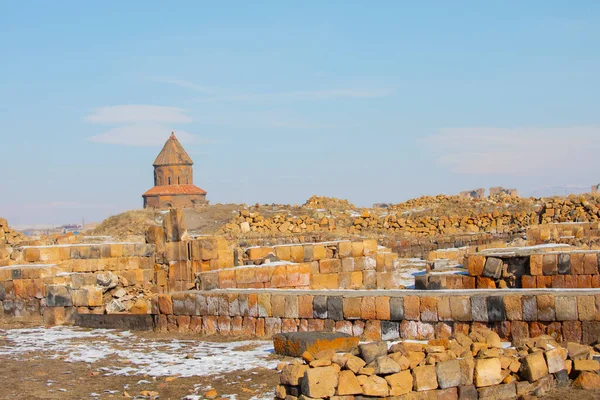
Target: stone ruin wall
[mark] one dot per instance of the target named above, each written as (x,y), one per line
(248,296)
(571,316)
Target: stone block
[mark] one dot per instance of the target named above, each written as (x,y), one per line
(400,383)
(590,264)
(588,381)
(467,392)
(514,308)
(58,296)
(577,263)
(443,309)
(424,378)
(549,264)
(320,307)
(396,308)
(460,307)
(534,367)
(375,386)
(496,309)
(564,263)
(371,351)
(507,391)
(295,343)
(545,308)
(335,308)
(555,359)
(586,308)
(530,308)
(479,308)
(428,308)
(54,316)
(487,372)
(536,264)
(412,309)
(566,308)
(586,365)
(448,373)
(475,264)
(390,330)
(493,267)
(348,385)
(320,382)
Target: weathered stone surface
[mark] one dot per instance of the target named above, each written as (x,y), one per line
(448,373)
(500,392)
(348,384)
(293,344)
(587,380)
(424,378)
(488,372)
(292,374)
(586,365)
(370,351)
(354,363)
(58,296)
(479,308)
(566,308)
(384,365)
(533,367)
(396,308)
(400,383)
(320,382)
(493,267)
(375,386)
(556,359)
(112,321)
(467,392)
(467,370)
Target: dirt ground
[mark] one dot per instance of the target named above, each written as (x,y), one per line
(52,374)
(53,369)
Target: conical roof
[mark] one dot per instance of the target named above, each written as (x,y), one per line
(172,153)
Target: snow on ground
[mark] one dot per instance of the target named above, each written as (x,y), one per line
(142,356)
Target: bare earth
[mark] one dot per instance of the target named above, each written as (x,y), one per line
(76,363)
(49,370)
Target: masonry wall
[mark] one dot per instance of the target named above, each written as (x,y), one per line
(524,269)
(566,315)
(78,278)
(329,265)
(565,232)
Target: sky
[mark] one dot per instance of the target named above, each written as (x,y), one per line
(276,101)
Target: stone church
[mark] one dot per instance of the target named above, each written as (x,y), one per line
(173,179)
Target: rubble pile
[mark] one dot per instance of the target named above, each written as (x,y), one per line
(120,295)
(571,209)
(247,221)
(495,222)
(467,366)
(328,203)
(8,239)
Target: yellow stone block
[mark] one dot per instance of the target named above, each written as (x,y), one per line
(357,249)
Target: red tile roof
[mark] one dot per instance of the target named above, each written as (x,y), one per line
(172,153)
(174,190)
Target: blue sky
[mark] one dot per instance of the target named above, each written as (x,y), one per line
(276,101)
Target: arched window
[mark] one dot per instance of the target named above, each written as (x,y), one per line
(179,183)
(169,180)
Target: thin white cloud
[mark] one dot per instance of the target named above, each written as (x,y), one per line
(217,94)
(133,113)
(312,95)
(143,134)
(517,151)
